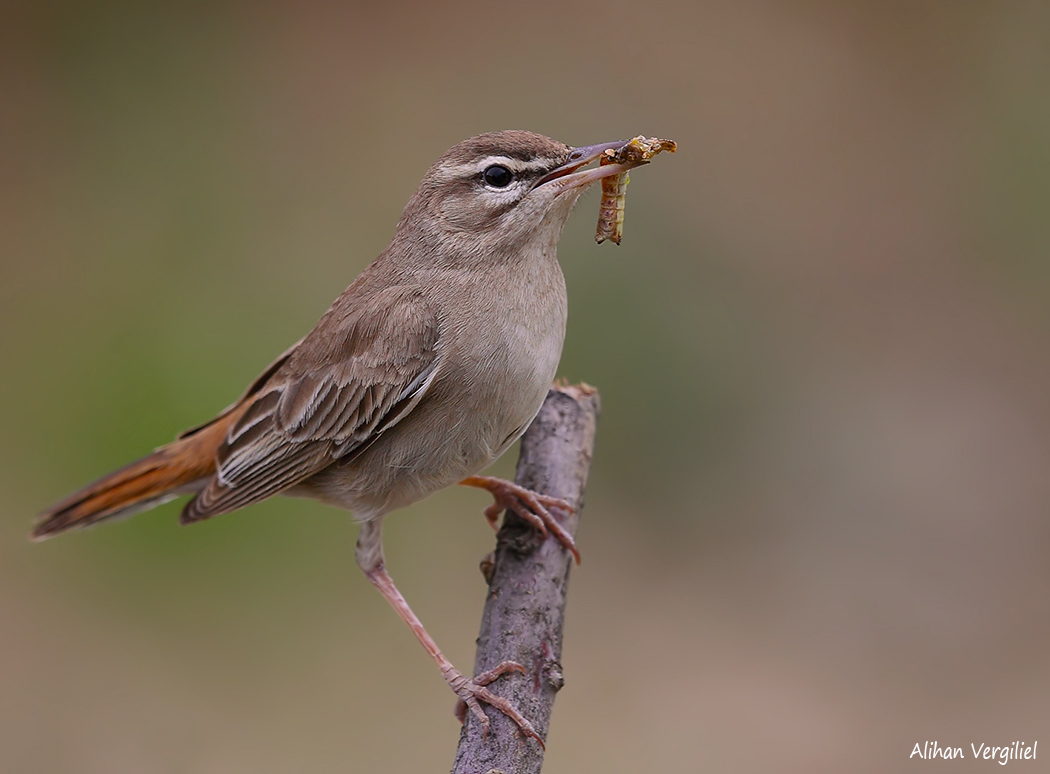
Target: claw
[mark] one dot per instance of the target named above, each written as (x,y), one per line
(498,671)
(530,506)
(472,692)
(492,514)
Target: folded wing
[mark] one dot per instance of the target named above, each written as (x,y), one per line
(358,373)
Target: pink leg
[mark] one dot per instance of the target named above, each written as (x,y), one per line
(529,505)
(471,692)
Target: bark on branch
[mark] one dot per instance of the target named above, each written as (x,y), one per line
(525,608)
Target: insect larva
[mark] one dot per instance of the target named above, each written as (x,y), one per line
(614,188)
(610,210)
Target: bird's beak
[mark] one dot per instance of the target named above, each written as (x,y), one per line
(572,175)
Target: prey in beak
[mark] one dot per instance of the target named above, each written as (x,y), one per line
(616,159)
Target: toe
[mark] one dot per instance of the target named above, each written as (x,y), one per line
(556,502)
(498,671)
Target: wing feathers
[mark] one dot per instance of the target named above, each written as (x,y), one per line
(359,372)
(274,475)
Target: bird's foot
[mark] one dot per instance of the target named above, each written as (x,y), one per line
(472,692)
(530,506)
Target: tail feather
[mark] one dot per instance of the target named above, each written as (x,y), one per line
(174,469)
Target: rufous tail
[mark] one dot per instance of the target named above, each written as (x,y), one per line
(171,470)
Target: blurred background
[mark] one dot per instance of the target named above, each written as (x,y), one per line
(817,526)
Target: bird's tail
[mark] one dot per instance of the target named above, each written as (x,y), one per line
(177,468)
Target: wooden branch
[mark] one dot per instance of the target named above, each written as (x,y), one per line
(528,580)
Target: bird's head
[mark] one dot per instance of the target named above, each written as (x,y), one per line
(502,192)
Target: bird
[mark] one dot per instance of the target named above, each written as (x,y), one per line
(429,366)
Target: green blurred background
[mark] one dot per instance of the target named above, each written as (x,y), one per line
(817,527)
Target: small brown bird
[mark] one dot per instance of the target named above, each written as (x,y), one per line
(422,373)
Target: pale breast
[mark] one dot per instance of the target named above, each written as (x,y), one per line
(500,345)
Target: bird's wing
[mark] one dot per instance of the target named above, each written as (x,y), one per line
(363,368)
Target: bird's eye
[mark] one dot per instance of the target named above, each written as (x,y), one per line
(497,176)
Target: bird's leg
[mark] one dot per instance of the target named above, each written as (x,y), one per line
(369,555)
(529,505)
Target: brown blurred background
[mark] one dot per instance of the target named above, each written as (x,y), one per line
(817,528)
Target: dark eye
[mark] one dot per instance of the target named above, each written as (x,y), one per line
(497,176)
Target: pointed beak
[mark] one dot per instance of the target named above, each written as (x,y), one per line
(572,175)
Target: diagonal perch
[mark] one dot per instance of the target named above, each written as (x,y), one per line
(525,608)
